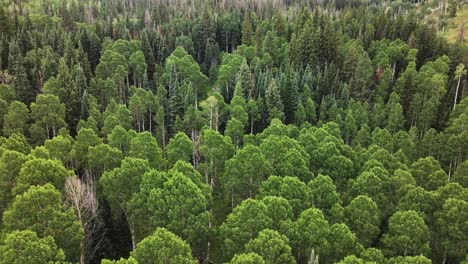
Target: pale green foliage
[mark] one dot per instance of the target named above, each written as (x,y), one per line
(40,171)
(272,246)
(246,221)
(41,210)
(363,218)
(180,147)
(163,247)
(144,146)
(247,258)
(25,247)
(407,234)
(244,173)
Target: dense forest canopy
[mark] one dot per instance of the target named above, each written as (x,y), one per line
(218,131)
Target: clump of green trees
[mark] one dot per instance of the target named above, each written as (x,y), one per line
(231,132)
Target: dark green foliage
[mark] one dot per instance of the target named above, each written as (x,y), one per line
(233,131)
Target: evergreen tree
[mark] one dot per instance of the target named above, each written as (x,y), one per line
(273,101)
(247,31)
(25,92)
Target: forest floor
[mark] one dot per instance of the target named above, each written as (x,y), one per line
(454,26)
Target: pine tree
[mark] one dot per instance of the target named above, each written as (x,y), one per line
(295,50)
(311,111)
(309,44)
(273,101)
(5,29)
(394,111)
(175,104)
(24,90)
(14,55)
(245,79)
(247,31)
(84,106)
(3,52)
(349,129)
(360,84)
(300,115)
(290,95)
(148,52)
(328,43)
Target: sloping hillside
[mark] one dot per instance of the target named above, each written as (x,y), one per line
(455,26)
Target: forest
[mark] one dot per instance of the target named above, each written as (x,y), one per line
(241,132)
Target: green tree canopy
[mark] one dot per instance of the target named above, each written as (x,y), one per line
(272,246)
(163,247)
(407,234)
(40,209)
(26,247)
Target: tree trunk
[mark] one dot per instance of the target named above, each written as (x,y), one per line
(150,120)
(82,252)
(456,93)
(211,172)
(163,132)
(130,227)
(251,125)
(211,117)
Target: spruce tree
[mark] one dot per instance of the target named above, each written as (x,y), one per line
(24,90)
(247,31)
(175,103)
(273,101)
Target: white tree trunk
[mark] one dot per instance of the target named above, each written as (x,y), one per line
(456,93)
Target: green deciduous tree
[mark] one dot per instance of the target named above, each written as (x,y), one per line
(41,210)
(163,247)
(182,207)
(424,170)
(451,229)
(373,255)
(121,183)
(10,166)
(144,146)
(243,224)
(244,173)
(311,232)
(247,258)
(40,171)
(323,193)
(351,260)
(180,147)
(104,157)
(48,115)
(16,119)
(280,212)
(85,139)
(461,174)
(290,188)
(216,149)
(130,260)
(59,148)
(120,138)
(407,234)
(138,67)
(26,247)
(341,242)
(410,260)
(363,218)
(272,246)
